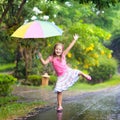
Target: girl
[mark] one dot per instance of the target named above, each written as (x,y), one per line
(66,75)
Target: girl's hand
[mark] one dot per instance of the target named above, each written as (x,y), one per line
(40,55)
(76,36)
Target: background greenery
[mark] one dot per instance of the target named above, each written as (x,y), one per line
(97,24)
(96,52)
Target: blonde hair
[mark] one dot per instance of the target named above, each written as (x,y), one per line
(54,54)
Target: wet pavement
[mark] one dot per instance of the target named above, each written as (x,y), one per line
(42,93)
(100,105)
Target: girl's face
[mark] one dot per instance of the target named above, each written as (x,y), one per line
(58,50)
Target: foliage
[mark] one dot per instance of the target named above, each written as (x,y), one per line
(6,82)
(8,99)
(52,80)
(68,14)
(20,70)
(7,67)
(107,18)
(106,69)
(71,17)
(101,3)
(89,46)
(34,80)
(11,18)
(7,48)
(115,46)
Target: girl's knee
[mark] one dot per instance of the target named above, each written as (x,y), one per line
(59,92)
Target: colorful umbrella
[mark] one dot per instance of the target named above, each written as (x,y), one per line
(37,29)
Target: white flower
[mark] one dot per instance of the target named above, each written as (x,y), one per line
(98,12)
(45,17)
(26,21)
(68,4)
(33,18)
(103,11)
(37,11)
(55,15)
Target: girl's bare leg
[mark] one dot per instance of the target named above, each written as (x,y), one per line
(85,76)
(59,99)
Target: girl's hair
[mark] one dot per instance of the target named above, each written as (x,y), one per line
(54,54)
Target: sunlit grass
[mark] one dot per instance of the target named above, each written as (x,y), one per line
(115,80)
(7,67)
(15,110)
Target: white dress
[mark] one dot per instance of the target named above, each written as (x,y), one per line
(66,80)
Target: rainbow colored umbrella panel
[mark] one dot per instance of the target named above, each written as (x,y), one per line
(37,29)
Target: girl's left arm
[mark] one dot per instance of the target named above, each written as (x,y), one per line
(75,37)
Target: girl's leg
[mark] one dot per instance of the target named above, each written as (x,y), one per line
(59,99)
(85,75)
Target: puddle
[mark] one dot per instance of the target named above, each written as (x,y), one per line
(104,105)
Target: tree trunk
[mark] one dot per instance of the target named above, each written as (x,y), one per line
(26,62)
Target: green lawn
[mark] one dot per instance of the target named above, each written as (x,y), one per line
(7,67)
(14,109)
(115,80)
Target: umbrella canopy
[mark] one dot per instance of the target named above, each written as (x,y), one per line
(37,29)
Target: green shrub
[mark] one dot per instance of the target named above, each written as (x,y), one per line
(6,82)
(20,70)
(34,80)
(53,79)
(106,69)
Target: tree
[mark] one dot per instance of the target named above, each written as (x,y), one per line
(74,16)
(13,17)
(100,4)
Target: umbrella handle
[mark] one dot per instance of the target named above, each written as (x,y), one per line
(36,54)
(37,57)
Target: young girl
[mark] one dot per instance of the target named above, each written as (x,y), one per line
(66,75)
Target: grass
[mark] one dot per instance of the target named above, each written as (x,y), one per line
(8,99)
(115,80)
(15,110)
(7,67)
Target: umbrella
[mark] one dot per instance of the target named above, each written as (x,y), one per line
(37,29)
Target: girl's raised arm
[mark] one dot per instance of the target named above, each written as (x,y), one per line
(44,62)
(75,37)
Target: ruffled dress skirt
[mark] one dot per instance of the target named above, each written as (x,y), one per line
(66,80)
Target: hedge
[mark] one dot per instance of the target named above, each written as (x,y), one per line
(34,80)
(106,69)
(6,82)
